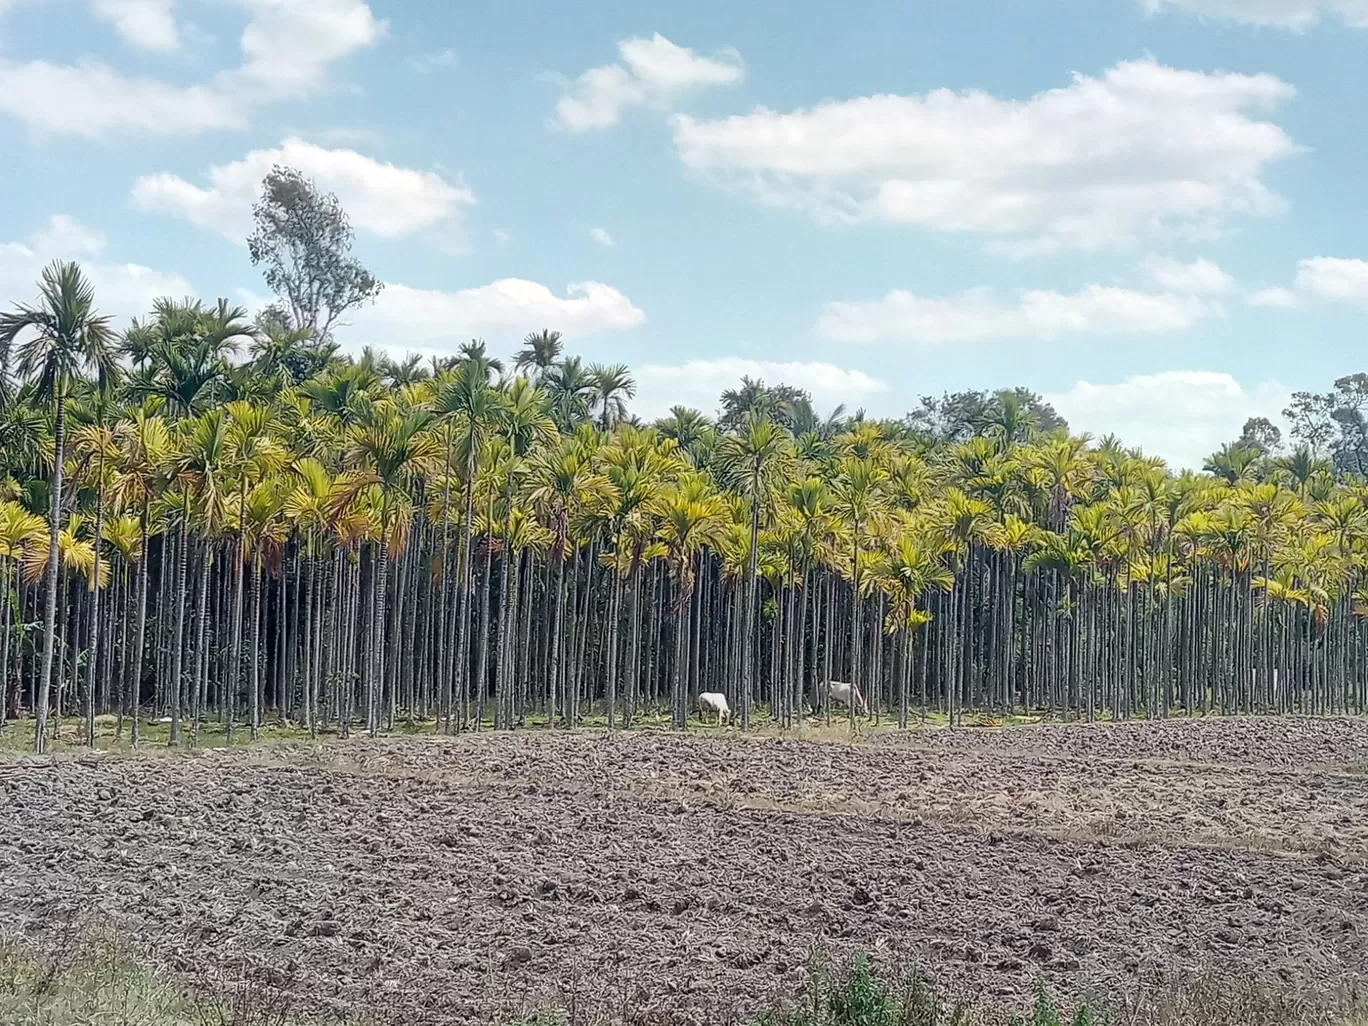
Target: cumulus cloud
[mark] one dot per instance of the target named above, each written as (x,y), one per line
(1278,298)
(286,49)
(699,383)
(1297,15)
(980,315)
(1325,279)
(652,73)
(1199,278)
(1334,279)
(122,291)
(602,237)
(92,99)
(1144,150)
(381,198)
(506,309)
(1181,416)
(147,24)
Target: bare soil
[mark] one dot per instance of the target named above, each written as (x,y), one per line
(690,878)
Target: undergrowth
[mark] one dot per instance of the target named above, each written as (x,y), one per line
(861,998)
(79,980)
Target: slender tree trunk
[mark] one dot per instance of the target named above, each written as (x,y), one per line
(94,657)
(748,640)
(139,636)
(54,557)
(201,647)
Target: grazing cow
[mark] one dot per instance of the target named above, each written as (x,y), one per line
(841,693)
(712,702)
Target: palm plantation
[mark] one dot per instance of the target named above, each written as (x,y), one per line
(205,519)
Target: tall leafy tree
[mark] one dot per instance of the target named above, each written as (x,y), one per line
(303,240)
(59,338)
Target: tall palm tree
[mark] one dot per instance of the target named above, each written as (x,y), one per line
(857,499)
(19,529)
(613,386)
(59,339)
(540,352)
(692,516)
(143,470)
(572,389)
(755,462)
(394,449)
(253,454)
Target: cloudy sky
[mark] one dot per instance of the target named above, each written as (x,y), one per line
(1151,211)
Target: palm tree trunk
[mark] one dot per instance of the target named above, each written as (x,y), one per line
(201,650)
(177,654)
(482,651)
(553,649)
(464,604)
(748,629)
(94,656)
(254,680)
(139,636)
(54,555)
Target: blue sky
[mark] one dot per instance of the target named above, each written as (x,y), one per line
(1148,210)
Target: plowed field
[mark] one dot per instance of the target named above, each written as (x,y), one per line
(690,878)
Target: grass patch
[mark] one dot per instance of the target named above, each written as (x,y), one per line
(859,997)
(76,979)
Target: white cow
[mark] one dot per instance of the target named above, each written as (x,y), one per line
(840,693)
(713,702)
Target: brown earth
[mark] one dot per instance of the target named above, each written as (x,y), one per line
(690,878)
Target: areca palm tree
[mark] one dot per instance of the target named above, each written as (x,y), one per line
(856,491)
(59,339)
(201,467)
(613,386)
(572,390)
(540,352)
(465,396)
(143,470)
(755,462)
(252,454)
(525,424)
(563,481)
(394,449)
(692,516)
(19,529)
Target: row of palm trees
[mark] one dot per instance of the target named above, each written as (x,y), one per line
(205,519)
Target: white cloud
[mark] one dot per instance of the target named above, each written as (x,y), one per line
(1182,416)
(505,309)
(286,48)
(1200,278)
(426,63)
(92,99)
(381,198)
(122,291)
(653,73)
(1297,15)
(288,44)
(149,24)
(1278,298)
(602,237)
(699,383)
(1334,279)
(1143,151)
(981,315)
(1328,279)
